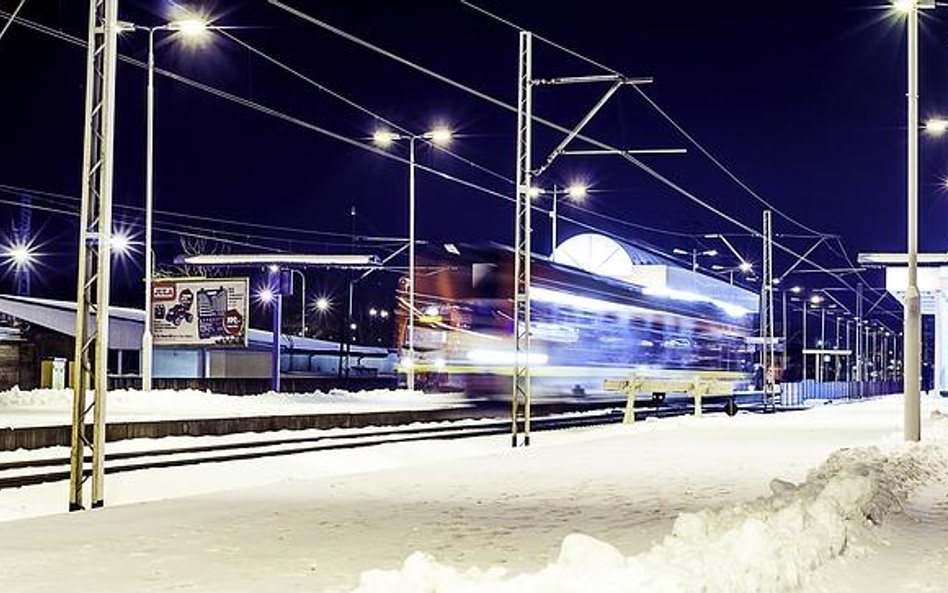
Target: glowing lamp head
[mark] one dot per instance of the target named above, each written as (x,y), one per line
(796,289)
(816,299)
(322,304)
(903,6)
(440,136)
(745,267)
(936,126)
(383,314)
(190,27)
(534,192)
(577,192)
(373,312)
(265,296)
(384,138)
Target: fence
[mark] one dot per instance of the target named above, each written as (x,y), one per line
(797,394)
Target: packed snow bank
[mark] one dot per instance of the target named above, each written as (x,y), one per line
(770,544)
(36,406)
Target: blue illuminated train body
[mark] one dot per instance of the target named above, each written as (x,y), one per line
(585,329)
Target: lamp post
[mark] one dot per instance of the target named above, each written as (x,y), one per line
(190,27)
(695,253)
(576,192)
(912,348)
(383,138)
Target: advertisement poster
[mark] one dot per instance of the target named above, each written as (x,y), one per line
(200,312)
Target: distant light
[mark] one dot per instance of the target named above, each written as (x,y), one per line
(373,312)
(718,267)
(577,191)
(534,192)
(936,126)
(20,255)
(432,311)
(265,296)
(120,243)
(440,136)
(776,280)
(273,268)
(384,138)
(190,27)
(816,299)
(383,314)
(680,251)
(322,304)
(746,267)
(353,326)
(796,289)
(710,253)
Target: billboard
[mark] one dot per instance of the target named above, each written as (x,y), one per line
(199,312)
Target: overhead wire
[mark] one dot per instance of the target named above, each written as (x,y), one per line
(11,18)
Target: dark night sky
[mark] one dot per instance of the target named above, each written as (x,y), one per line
(803,101)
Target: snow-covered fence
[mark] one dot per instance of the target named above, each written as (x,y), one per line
(797,394)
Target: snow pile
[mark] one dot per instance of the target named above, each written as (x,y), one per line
(769,544)
(191,403)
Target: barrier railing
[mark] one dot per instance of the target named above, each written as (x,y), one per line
(797,394)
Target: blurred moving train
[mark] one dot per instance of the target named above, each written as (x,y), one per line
(585,327)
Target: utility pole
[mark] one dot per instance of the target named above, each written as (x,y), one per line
(767,314)
(23,238)
(803,347)
(522,242)
(95,229)
(913,320)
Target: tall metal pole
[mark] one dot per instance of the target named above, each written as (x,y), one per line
(553,217)
(767,356)
(913,322)
(411,264)
(803,348)
(786,334)
(276,328)
(860,351)
(147,339)
(522,242)
(819,375)
(93,269)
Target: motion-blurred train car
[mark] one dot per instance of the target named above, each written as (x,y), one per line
(585,327)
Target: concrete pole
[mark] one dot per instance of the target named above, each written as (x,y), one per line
(411,264)
(913,322)
(803,348)
(147,339)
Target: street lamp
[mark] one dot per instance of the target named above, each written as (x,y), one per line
(440,136)
(576,192)
(912,348)
(190,27)
(19,255)
(322,304)
(695,253)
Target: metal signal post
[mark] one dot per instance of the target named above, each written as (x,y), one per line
(523,230)
(92,294)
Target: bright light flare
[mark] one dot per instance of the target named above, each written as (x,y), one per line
(577,192)
(903,6)
(384,138)
(21,256)
(816,299)
(120,243)
(745,267)
(534,192)
(796,289)
(936,126)
(440,136)
(189,27)
(322,304)
(265,296)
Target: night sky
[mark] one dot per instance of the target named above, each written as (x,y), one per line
(804,102)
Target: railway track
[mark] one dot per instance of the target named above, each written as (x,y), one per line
(16,474)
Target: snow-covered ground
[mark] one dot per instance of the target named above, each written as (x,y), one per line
(675,504)
(51,407)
